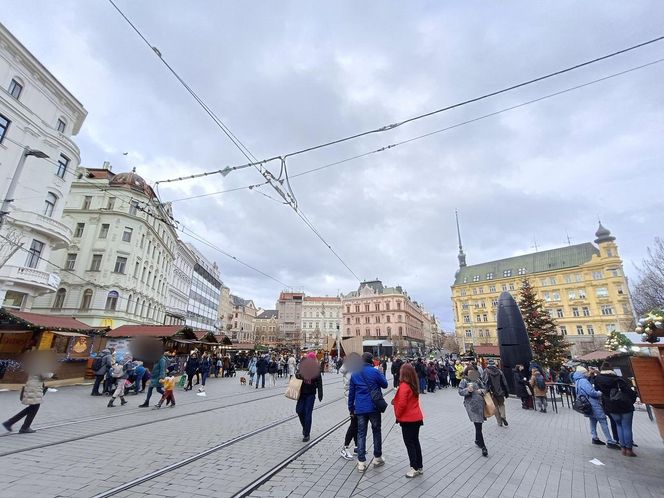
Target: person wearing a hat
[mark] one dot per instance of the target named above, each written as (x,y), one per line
(496,384)
(585,388)
(362,406)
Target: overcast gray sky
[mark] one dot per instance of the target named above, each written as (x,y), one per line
(285,75)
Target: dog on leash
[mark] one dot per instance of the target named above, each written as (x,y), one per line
(243,381)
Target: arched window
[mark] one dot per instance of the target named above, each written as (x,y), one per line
(112,301)
(138,306)
(389,331)
(149,315)
(400,330)
(129,304)
(49,204)
(86,301)
(59,299)
(143,308)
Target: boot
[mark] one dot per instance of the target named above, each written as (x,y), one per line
(122,401)
(144,405)
(110,402)
(629,452)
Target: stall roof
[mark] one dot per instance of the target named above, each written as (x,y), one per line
(206,336)
(487,350)
(47,322)
(148,331)
(599,355)
(377,342)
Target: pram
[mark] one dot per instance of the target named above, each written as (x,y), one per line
(230,371)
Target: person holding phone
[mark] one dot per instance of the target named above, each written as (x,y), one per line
(472,389)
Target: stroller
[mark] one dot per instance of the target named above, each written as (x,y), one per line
(230,372)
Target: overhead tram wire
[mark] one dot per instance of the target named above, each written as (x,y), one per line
(274,182)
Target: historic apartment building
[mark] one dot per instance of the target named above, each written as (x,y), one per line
(376,312)
(321,317)
(266,328)
(583,287)
(119,263)
(242,321)
(38,158)
(289,308)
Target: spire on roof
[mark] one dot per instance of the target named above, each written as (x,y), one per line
(603,234)
(462,255)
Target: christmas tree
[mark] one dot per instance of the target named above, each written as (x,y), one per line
(550,349)
(617,340)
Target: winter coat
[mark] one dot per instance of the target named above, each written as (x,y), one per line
(473,401)
(158,371)
(421,370)
(458,371)
(538,392)
(396,367)
(407,405)
(272,367)
(432,373)
(261,366)
(345,378)
(585,388)
(106,362)
(291,365)
(520,383)
(193,365)
(605,382)
(495,382)
(359,391)
(204,365)
(252,366)
(168,382)
(33,390)
(312,386)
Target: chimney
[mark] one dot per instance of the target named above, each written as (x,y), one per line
(107,166)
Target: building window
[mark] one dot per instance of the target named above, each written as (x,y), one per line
(103,233)
(511,287)
(110,205)
(466,319)
(489,276)
(357,308)
(591,330)
(63,163)
(120,264)
(615,273)
(4,125)
(476,278)
(15,89)
(579,330)
(61,126)
(49,204)
(563,330)
(14,299)
(575,312)
(582,293)
(96,262)
(59,299)
(387,306)
(87,200)
(474,291)
(133,207)
(597,275)
(485,317)
(398,305)
(367,319)
(602,292)
(494,302)
(126,235)
(568,279)
(507,273)
(34,254)
(560,313)
(607,309)
(366,307)
(400,330)
(70,263)
(492,288)
(620,290)
(610,327)
(112,301)
(578,277)
(586,311)
(87,299)
(463,292)
(129,304)
(469,333)
(521,271)
(377,306)
(377,319)
(465,280)
(79,230)
(571,294)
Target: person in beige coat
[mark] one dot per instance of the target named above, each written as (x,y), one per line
(37,365)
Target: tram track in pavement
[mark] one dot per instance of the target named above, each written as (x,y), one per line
(256,483)
(137,424)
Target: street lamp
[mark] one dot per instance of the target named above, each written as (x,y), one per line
(9,197)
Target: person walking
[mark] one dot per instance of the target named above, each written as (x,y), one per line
(100,365)
(396,369)
(191,368)
(352,364)
(432,377)
(272,370)
(291,366)
(538,385)
(158,373)
(421,370)
(522,386)
(452,374)
(361,404)
(409,415)
(38,365)
(472,389)
(204,367)
(119,371)
(169,386)
(251,369)
(585,388)
(618,401)
(261,370)
(458,372)
(496,384)
(312,383)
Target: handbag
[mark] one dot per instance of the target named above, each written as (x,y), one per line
(376,396)
(489,406)
(582,405)
(294,388)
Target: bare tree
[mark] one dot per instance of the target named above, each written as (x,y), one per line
(450,343)
(648,291)
(10,242)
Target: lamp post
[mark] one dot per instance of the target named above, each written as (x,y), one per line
(9,197)
(338,342)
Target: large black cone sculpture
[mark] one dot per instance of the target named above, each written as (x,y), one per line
(512,338)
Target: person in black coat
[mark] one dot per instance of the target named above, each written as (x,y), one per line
(261,370)
(191,368)
(521,386)
(396,369)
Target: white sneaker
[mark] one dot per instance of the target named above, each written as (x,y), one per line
(378,462)
(412,473)
(345,453)
(361,466)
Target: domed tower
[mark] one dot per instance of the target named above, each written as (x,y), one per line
(606,242)
(132,181)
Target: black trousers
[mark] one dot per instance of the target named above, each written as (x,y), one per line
(28,412)
(479,438)
(396,380)
(411,438)
(351,433)
(95,388)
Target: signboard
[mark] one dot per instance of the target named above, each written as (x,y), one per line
(46,340)
(121,346)
(14,343)
(53,280)
(78,347)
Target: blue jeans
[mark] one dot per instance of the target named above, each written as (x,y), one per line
(304,410)
(605,428)
(624,425)
(362,426)
(423,384)
(159,389)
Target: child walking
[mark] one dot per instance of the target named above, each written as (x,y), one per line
(169,385)
(409,415)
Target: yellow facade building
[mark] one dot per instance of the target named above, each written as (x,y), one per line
(583,287)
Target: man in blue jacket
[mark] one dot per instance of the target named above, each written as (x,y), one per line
(360,403)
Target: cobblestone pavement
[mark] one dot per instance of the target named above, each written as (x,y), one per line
(537,455)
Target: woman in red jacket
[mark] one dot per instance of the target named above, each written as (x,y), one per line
(409,415)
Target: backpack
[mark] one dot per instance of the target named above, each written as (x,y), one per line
(539,381)
(97,363)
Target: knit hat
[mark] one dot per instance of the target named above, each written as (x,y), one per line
(581,369)
(311,355)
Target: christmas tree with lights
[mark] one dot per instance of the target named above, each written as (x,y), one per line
(550,349)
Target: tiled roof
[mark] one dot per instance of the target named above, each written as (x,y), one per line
(322,299)
(48,322)
(542,261)
(146,330)
(205,334)
(487,350)
(268,315)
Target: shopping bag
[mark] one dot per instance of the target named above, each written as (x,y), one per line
(489,407)
(293,389)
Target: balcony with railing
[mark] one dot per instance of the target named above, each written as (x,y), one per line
(60,233)
(39,281)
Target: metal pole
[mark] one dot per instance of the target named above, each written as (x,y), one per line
(338,342)
(9,197)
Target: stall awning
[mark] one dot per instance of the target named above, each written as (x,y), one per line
(377,342)
(69,334)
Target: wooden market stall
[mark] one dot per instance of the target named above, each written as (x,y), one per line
(71,340)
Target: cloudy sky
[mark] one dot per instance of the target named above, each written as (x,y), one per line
(287,75)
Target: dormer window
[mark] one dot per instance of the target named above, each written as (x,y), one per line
(522,271)
(476,278)
(507,273)
(15,89)
(489,276)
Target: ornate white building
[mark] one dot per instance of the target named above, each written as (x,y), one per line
(120,260)
(321,317)
(38,118)
(179,285)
